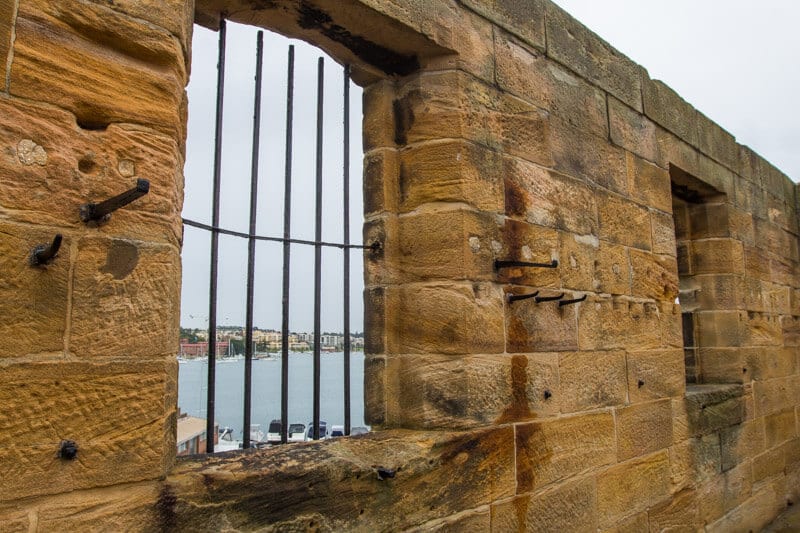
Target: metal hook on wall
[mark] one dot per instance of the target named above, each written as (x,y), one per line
(101,212)
(498,264)
(540,299)
(43,254)
(516,297)
(562,303)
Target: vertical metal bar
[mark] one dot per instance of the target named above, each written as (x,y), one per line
(251,246)
(212,289)
(318,248)
(287,221)
(346,250)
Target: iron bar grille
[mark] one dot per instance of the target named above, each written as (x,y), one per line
(286,240)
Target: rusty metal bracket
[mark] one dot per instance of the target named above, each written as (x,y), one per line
(43,254)
(498,264)
(540,299)
(101,212)
(562,303)
(517,297)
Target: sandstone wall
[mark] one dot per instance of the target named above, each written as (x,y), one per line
(493,129)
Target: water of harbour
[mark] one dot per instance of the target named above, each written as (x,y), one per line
(266,400)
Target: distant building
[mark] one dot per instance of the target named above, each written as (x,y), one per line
(192,435)
(200,349)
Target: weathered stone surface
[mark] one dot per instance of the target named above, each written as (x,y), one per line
(543,82)
(717,256)
(544,197)
(534,327)
(612,269)
(555,450)
(571,506)
(572,44)
(653,276)
(335,484)
(649,184)
(120,414)
(716,142)
(632,486)
(8,12)
(475,520)
(775,395)
(709,220)
(125,299)
(678,514)
(445,318)
(99,64)
(73,166)
(381,177)
(694,461)
(592,379)
(527,242)
(632,524)
(668,109)
(523,19)
(587,157)
(33,300)
(643,428)
(378,126)
(450,171)
(632,131)
(578,261)
(706,409)
(780,427)
(655,374)
(741,442)
(611,323)
(722,493)
(720,328)
(469,391)
(623,222)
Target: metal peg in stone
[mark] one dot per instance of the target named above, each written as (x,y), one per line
(101,212)
(498,264)
(385,473)
(516,297)
(68,450)
(540,299)
(562,303)
(43,254)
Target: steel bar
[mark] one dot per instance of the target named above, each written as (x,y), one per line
(318,248)
(251,246)
(517,297)
(99,212)
(562,303)
(539,299)
(375,246)
(212,289)
(44,253)
(346,251)
(498,264)
(287,221)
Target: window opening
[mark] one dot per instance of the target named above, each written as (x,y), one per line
(285,351)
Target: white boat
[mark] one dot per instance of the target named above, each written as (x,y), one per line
(226,442)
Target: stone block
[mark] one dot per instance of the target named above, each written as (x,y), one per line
(649,184)
(724,365)
(709,220)
(670,323)
(547,198)
(437,475)
(724,492)
(632,524)
(381,177)
(570,506)
(125,299)
(33,300)
(631,487)
(754,264)
(632,131)
(716,142)
(451,171)
(523,19)
(469,391)
(476,520)
(720,291)
(532,327)
(577,261)
(791,449)
(15,521)
(612,323)
(741,226)
(589,380)
(49,167)
(8,14)
(572,44)
(717,256)
(720,328)
(762,329)
(643,428)
(653,276)
(375,329)
(655,374)
(379,127)
(530,75)
(780,427)
(376,401)
(555,450)
(678,514)
(527,242)
(587,157)
(445,318)
(612,270)
(663,230)
(768,464)
(623,222)
(458,106)
(62,55)
(668,109)
(121,416)
(766,363)
(749,197)
(694,462)
(707,409)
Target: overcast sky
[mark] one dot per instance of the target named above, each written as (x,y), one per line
(734,61)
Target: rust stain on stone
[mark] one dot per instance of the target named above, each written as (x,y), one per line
(514,198)
(521,510)
(519,408)
(403,117)
(121,259)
